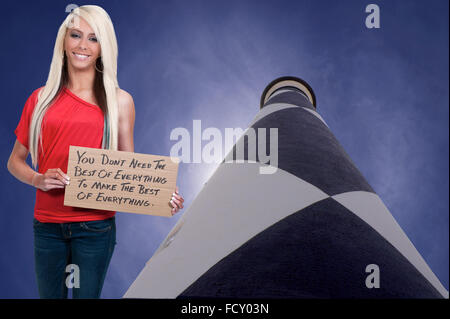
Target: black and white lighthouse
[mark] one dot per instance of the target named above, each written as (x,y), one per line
(312,228)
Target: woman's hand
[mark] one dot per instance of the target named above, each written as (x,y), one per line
(53,178)
(176,202)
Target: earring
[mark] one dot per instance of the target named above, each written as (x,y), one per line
(101,71)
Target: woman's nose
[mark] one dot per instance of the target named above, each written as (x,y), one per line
(82,44)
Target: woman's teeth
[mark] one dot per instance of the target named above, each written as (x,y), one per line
(81,57)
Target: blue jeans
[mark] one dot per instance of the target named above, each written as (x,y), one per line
(86,246)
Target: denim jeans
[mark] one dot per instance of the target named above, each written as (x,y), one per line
(87,245)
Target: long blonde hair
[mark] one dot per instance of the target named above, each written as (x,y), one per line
(105,83)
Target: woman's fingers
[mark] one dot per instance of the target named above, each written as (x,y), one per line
(64,175)
(178,197)
(176,203)
(61,180)
(49,187)
(53,177)
(54,183)
(58,175)
(174,208)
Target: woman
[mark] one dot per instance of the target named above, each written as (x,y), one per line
(81,104)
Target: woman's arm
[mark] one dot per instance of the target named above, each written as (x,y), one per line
(126,121)
(126,128)
(18,167)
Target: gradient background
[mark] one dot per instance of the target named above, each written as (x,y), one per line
(383,92)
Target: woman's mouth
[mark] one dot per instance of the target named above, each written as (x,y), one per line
(81,57)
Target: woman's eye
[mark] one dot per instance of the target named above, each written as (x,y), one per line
(73,35)
(93,39)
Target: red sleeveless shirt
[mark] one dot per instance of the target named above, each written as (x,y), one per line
(68,121)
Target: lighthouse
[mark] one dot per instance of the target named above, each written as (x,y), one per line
(311,228)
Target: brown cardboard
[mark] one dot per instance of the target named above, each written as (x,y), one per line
(120,181)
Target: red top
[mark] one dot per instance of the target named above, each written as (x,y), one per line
(68,121)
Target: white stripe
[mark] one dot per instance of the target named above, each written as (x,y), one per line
(370,208)
(281,91)
(234,205)
(269,109)
(285,83)
(316,115)
(272,108)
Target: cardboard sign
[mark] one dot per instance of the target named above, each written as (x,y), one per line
(120,181)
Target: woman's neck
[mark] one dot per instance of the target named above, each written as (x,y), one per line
(80,80)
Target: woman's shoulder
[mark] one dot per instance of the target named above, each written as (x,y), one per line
(123,95)
(126,104)
(33,97)
(36,91)
(124,98)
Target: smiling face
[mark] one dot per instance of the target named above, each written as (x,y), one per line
(81,46)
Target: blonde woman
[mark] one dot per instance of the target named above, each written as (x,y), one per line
(80,104)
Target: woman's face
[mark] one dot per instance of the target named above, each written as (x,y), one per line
(81,46)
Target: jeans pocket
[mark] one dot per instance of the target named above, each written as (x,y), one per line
(99,226)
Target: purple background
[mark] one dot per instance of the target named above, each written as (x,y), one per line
(383,92)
